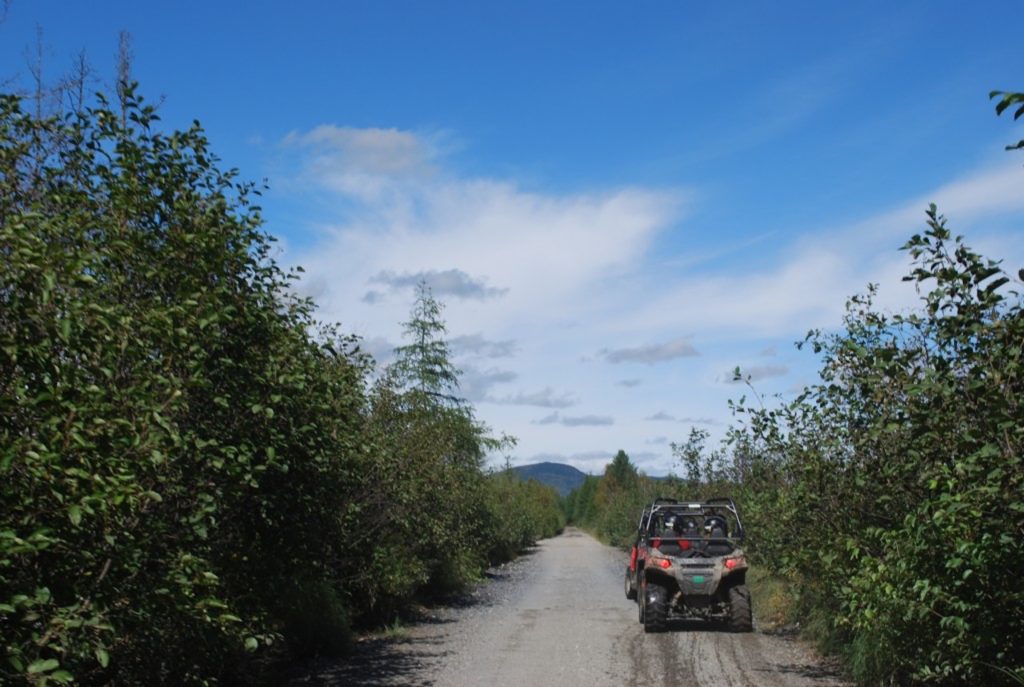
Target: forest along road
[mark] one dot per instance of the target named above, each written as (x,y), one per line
(558,616)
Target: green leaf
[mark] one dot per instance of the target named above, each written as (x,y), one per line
(75,514)
(42,665)
(102,656)
(995,284)
(251,644)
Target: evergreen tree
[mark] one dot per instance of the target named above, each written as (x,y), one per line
(424,364)
(621,472)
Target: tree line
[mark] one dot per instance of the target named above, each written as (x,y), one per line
(199,480)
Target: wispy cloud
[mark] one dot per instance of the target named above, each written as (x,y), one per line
(652,353)
(475,385)
(662,416)
(442,283)
(365,163)
(545,398)
(477,345)
(709,421)
(575,421)
(810,287)
(588,421)
(382,350)
(755,373)
(521,264)
(370,151)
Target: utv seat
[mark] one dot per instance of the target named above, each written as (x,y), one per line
(718,543)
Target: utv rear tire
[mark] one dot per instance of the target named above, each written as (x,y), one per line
(630,588)
(655,600)
(741,618)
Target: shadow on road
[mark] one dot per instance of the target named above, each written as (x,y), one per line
(377,662)
(386,661)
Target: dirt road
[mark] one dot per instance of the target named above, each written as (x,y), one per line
(558,617)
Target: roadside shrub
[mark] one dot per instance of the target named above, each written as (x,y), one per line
(169,421)
(901,474)
(315,621)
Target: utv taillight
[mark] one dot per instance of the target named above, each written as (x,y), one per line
(731,563)
(665,563)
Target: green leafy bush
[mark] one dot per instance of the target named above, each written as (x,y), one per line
(888,496)
(173,437)
(901,475)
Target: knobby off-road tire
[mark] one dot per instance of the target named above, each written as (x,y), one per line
(630,588)
(656,608)
(741,619)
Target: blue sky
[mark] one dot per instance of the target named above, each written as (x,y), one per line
(618,203)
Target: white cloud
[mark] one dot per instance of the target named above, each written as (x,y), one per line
(574,272)
(710,421)
(400,218)
(545,398)
(652,353)
(363,162)
(809,288)
(575,421)
(477,345)
(475,384)
(442,283)
(588,421)
(382,350)
(755,373)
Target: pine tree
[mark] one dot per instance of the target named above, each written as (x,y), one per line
(424,365)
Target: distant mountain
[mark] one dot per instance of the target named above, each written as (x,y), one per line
(564,478)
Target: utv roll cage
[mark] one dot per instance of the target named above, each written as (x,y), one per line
(701,512)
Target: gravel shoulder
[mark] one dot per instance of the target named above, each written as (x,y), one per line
(558,616)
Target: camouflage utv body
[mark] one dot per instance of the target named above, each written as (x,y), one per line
(695,569)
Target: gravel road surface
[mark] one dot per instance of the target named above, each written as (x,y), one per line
(557,616)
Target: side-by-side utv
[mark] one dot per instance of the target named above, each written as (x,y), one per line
(687,563)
